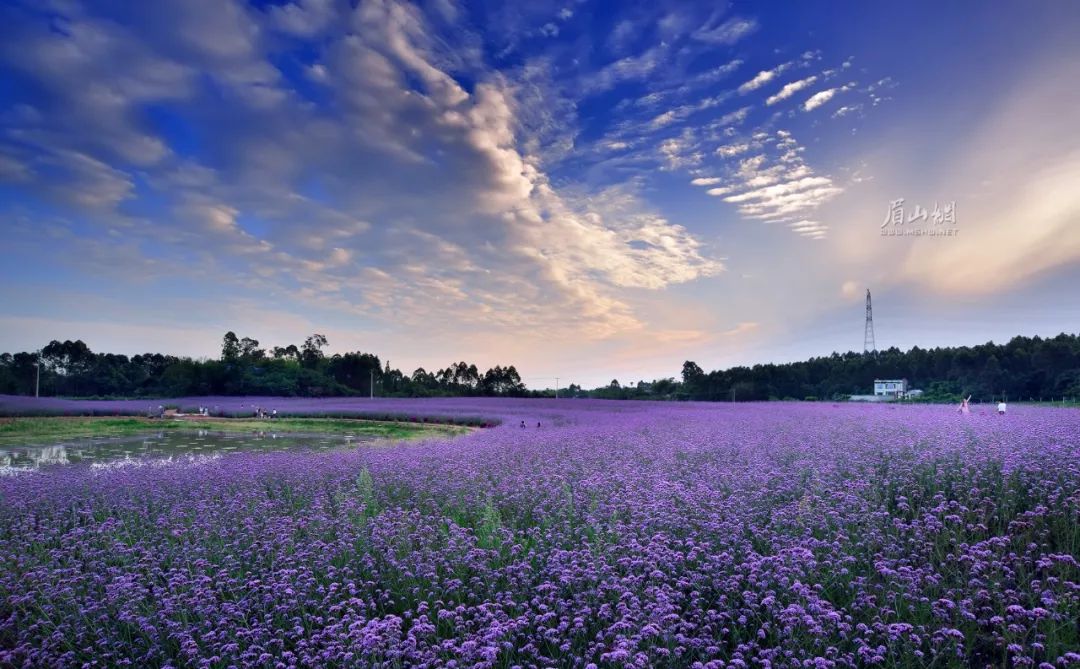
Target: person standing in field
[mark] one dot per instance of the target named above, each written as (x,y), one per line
(1001,408)
(964,408)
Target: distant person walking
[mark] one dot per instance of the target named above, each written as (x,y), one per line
(522,425)
(1001,408)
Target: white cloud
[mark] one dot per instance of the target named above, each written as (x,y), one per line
(730,150)
(770,193)
(610,234)
(819,98)
(626,69)
(790,89)
(810,229)
(306,18)
(72,177)
(402,33)
(96,75)
(759,80)
(718,73)
(762,78)
(683,111)
(317,72)
(664,119)
(680,152)
(847,109)
(731,118)
(775,185)
(727,32)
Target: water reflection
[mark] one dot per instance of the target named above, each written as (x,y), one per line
(163,445)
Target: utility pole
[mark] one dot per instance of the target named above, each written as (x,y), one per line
(733,394)
(556,387)
(37,378)
(868,335)
(371,384)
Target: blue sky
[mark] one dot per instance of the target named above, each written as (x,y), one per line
(584,189)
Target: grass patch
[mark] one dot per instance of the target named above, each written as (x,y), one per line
(28,430)
(353,426)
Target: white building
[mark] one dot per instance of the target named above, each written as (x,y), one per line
(890,387)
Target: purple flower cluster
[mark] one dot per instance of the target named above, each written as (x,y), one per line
(617,534)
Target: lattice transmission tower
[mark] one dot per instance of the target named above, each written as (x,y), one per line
(868,336)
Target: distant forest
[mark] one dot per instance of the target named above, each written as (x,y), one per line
(1024,368)
(71,369)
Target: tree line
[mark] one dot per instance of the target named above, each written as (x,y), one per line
(71,369)
(1024,368)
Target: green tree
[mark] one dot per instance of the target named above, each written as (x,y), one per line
(230,347)
(249,349)
(289,352)
(311,353)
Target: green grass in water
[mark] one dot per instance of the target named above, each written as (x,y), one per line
(29,429)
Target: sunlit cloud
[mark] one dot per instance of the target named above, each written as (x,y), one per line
(819,98)
(790,89)
(764,77)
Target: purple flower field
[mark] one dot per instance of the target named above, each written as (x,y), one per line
(617,534)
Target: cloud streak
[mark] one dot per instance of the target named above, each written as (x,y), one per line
(819,98)
(790,89)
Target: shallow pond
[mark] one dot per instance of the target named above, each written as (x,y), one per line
(164,445)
